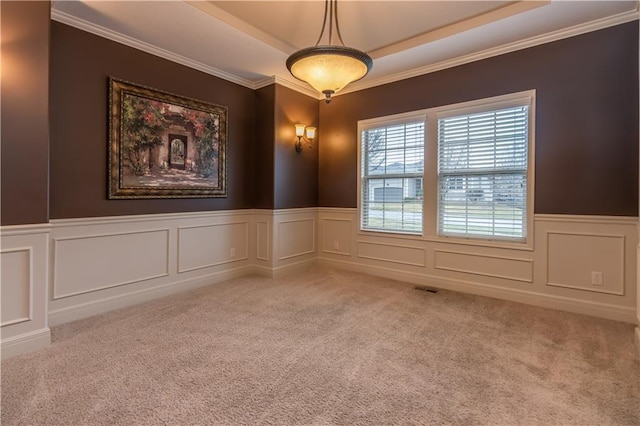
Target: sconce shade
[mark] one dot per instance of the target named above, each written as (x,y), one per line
(303,131)
(311,132)
(300,130)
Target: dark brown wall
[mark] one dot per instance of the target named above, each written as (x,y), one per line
(264,148)
(586,119)
(80,65)
(586,124)
(25,112)
(296,173)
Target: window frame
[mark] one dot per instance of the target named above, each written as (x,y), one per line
(479,107)
(430,173)
(392,120)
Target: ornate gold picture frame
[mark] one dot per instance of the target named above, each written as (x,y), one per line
(163,145)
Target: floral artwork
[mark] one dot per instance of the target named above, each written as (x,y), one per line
(164,145)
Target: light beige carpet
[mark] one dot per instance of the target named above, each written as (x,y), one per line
(328,347)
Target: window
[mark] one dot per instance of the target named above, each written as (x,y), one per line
(462,171)
(482,173)
(392,166)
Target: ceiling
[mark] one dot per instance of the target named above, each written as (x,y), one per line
(248,42)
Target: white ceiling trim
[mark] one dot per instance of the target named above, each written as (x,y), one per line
(109,34)
(303,88)
(587,27)
(458,27)
(296,85)
(101,31)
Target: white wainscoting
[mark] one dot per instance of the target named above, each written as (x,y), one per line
(296,237)
(262,240)
(555,273)
(93,262)
(75,268)
(100,264)
(199,246)
(605,254)
(293,244)
(23,290)
(509,268)
(336,236)
(392,253)
(17,292)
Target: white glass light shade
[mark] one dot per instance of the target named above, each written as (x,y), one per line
(311,132)
(299,129)
(328,69)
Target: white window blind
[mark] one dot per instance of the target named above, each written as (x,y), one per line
(482,174)
(392,167)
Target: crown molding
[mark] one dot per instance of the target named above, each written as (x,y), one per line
(486,18)
(293,85)
(587,27)
(98,30)
(264,82)
(576,30)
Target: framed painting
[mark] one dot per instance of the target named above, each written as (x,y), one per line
(163,145)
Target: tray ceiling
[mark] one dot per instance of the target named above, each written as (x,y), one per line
(248,41)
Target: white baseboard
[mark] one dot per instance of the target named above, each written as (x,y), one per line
(601,310)
(96,307)
(26,342)
(263,271)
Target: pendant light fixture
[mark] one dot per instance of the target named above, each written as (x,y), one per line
(329,68)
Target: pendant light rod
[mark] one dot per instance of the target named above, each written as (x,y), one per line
(324,22)
(330,22)
(332,6)
(335,5)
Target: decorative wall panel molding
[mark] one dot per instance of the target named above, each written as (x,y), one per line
(296,237)
(88,263)
(394,253)
(262,241)
(17,285)
(590,254)
(509,268)
(204,246)
(336,236)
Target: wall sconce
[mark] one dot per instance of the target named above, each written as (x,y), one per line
(302,131)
